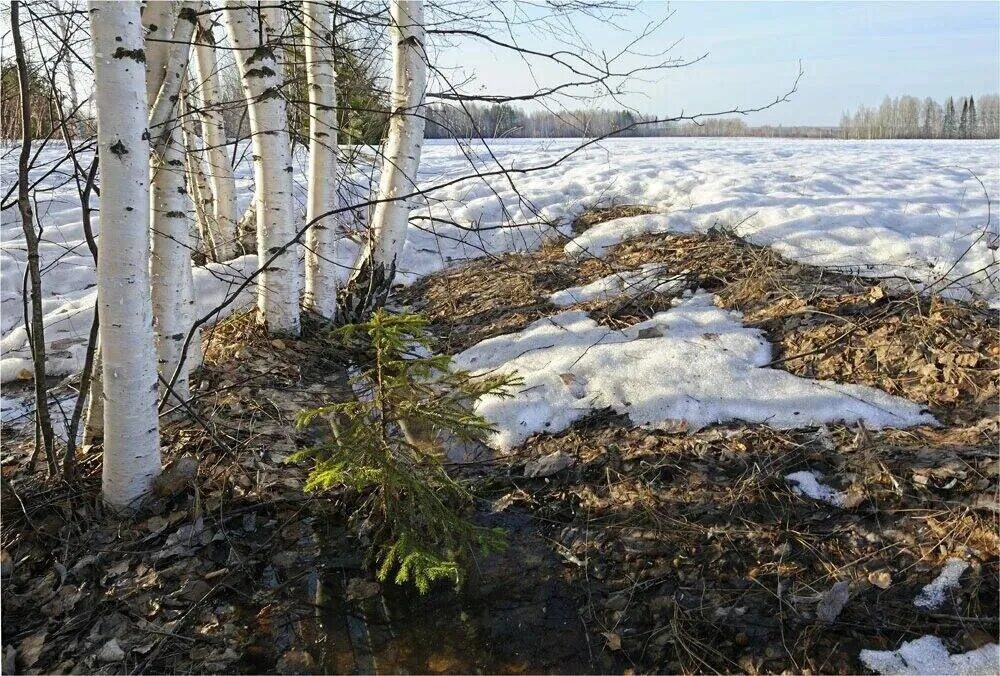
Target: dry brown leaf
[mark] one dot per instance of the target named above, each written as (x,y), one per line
(881,579)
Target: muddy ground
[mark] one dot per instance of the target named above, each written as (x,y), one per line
(651,551)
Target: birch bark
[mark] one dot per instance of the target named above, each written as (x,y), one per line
(321,271)
(377,262)
(131,428)
(213,133)
(278,286)
(170,263)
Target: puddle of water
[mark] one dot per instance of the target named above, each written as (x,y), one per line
(516,614)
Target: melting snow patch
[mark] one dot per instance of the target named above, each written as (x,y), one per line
(627,284)
(933,594)
(928,655)
(11,410)
(694,362)
(807,483)
(67,327)
(596,240)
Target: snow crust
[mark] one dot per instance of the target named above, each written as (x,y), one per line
(807,483)
(626,284)
(933,594)
(11,409)
(909,208)
(67,326)
(928,655)
(694,362)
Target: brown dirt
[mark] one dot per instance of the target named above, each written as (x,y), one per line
(654,552)
(690,551)
(692,554)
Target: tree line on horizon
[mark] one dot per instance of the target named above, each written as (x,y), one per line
(909,117)
(504,120)
(904,117)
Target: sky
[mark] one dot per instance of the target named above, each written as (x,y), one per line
(852,53)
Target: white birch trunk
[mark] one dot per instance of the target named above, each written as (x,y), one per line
(402,148)
(213,133)
(131,426)
(321,270)
(157,22)
(162,121)
(196,185)
(65,24)
(201,194)
(170,265)
(93,428)
(278,286)
(158,18)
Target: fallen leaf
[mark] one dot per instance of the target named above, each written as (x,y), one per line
(548,465)
(672,426)
(111,652)
(30,648)
(881,579)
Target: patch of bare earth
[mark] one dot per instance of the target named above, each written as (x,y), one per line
(663,551)
(691,552)
(213,574)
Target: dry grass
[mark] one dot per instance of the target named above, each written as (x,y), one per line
(684,542)
(593,216)
(489,297)
(849,329)
(823,324)
(691,552)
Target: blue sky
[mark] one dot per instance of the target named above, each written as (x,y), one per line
(852,53)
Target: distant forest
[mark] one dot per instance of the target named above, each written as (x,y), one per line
(909,117)
(902,117)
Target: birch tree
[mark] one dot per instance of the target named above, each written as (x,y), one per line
(278,286)
(197,178)
(158,22)
(131,428)
(321,271)
(376,265)
(93,426)
(170,263)
(222,228)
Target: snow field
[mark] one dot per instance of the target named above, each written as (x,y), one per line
(914,209)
